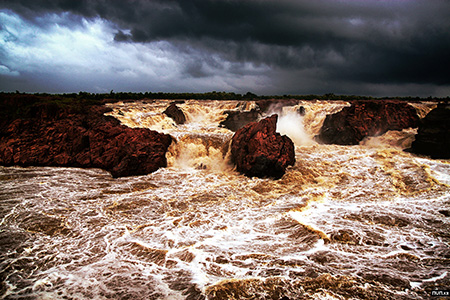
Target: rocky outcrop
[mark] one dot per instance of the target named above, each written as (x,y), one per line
(238,119)
(275,105)
(46,132)
(258,150)
(174,112)
(366,118)
(433,136)
(301,111)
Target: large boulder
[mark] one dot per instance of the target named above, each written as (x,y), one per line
(47,133)
(258,150)
(366,118)
(174,112)
(433,136)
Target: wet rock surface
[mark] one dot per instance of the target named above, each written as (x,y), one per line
(174,112)
(366,118)
(35,131)
(258,150)
(275,105)
(433,136)
(238,119)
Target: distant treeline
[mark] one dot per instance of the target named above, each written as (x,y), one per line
(221,96)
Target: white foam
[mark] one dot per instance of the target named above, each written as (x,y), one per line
(418,284)
(291,124)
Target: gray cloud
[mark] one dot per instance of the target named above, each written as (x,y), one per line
(343,43)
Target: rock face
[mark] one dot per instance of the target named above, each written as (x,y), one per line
(45,133)
(238,119)
(433,136)
(258,150)
(366,118)
(174,112)
(275,104)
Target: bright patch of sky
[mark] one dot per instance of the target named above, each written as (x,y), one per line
(76,55)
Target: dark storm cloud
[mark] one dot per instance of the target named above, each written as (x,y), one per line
(360,41)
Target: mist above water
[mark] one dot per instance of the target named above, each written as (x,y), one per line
(290,123)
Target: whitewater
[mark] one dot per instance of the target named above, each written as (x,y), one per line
(369,221)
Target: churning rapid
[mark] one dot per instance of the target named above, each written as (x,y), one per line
(346,222)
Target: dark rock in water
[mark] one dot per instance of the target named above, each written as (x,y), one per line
(301,111)
(174,112)
(275,105)
(43,132)
(258,150)
(238,119)
(366,118)
(433,136)
(445,212)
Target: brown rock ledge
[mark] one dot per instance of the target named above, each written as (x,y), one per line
(51,131)
(367,118)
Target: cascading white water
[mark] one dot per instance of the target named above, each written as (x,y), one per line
(290,123)
(346,222)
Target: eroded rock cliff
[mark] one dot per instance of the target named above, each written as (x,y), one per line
(366,118)
(433,136)
(40,131)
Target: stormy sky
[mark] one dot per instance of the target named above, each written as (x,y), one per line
(364,47)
